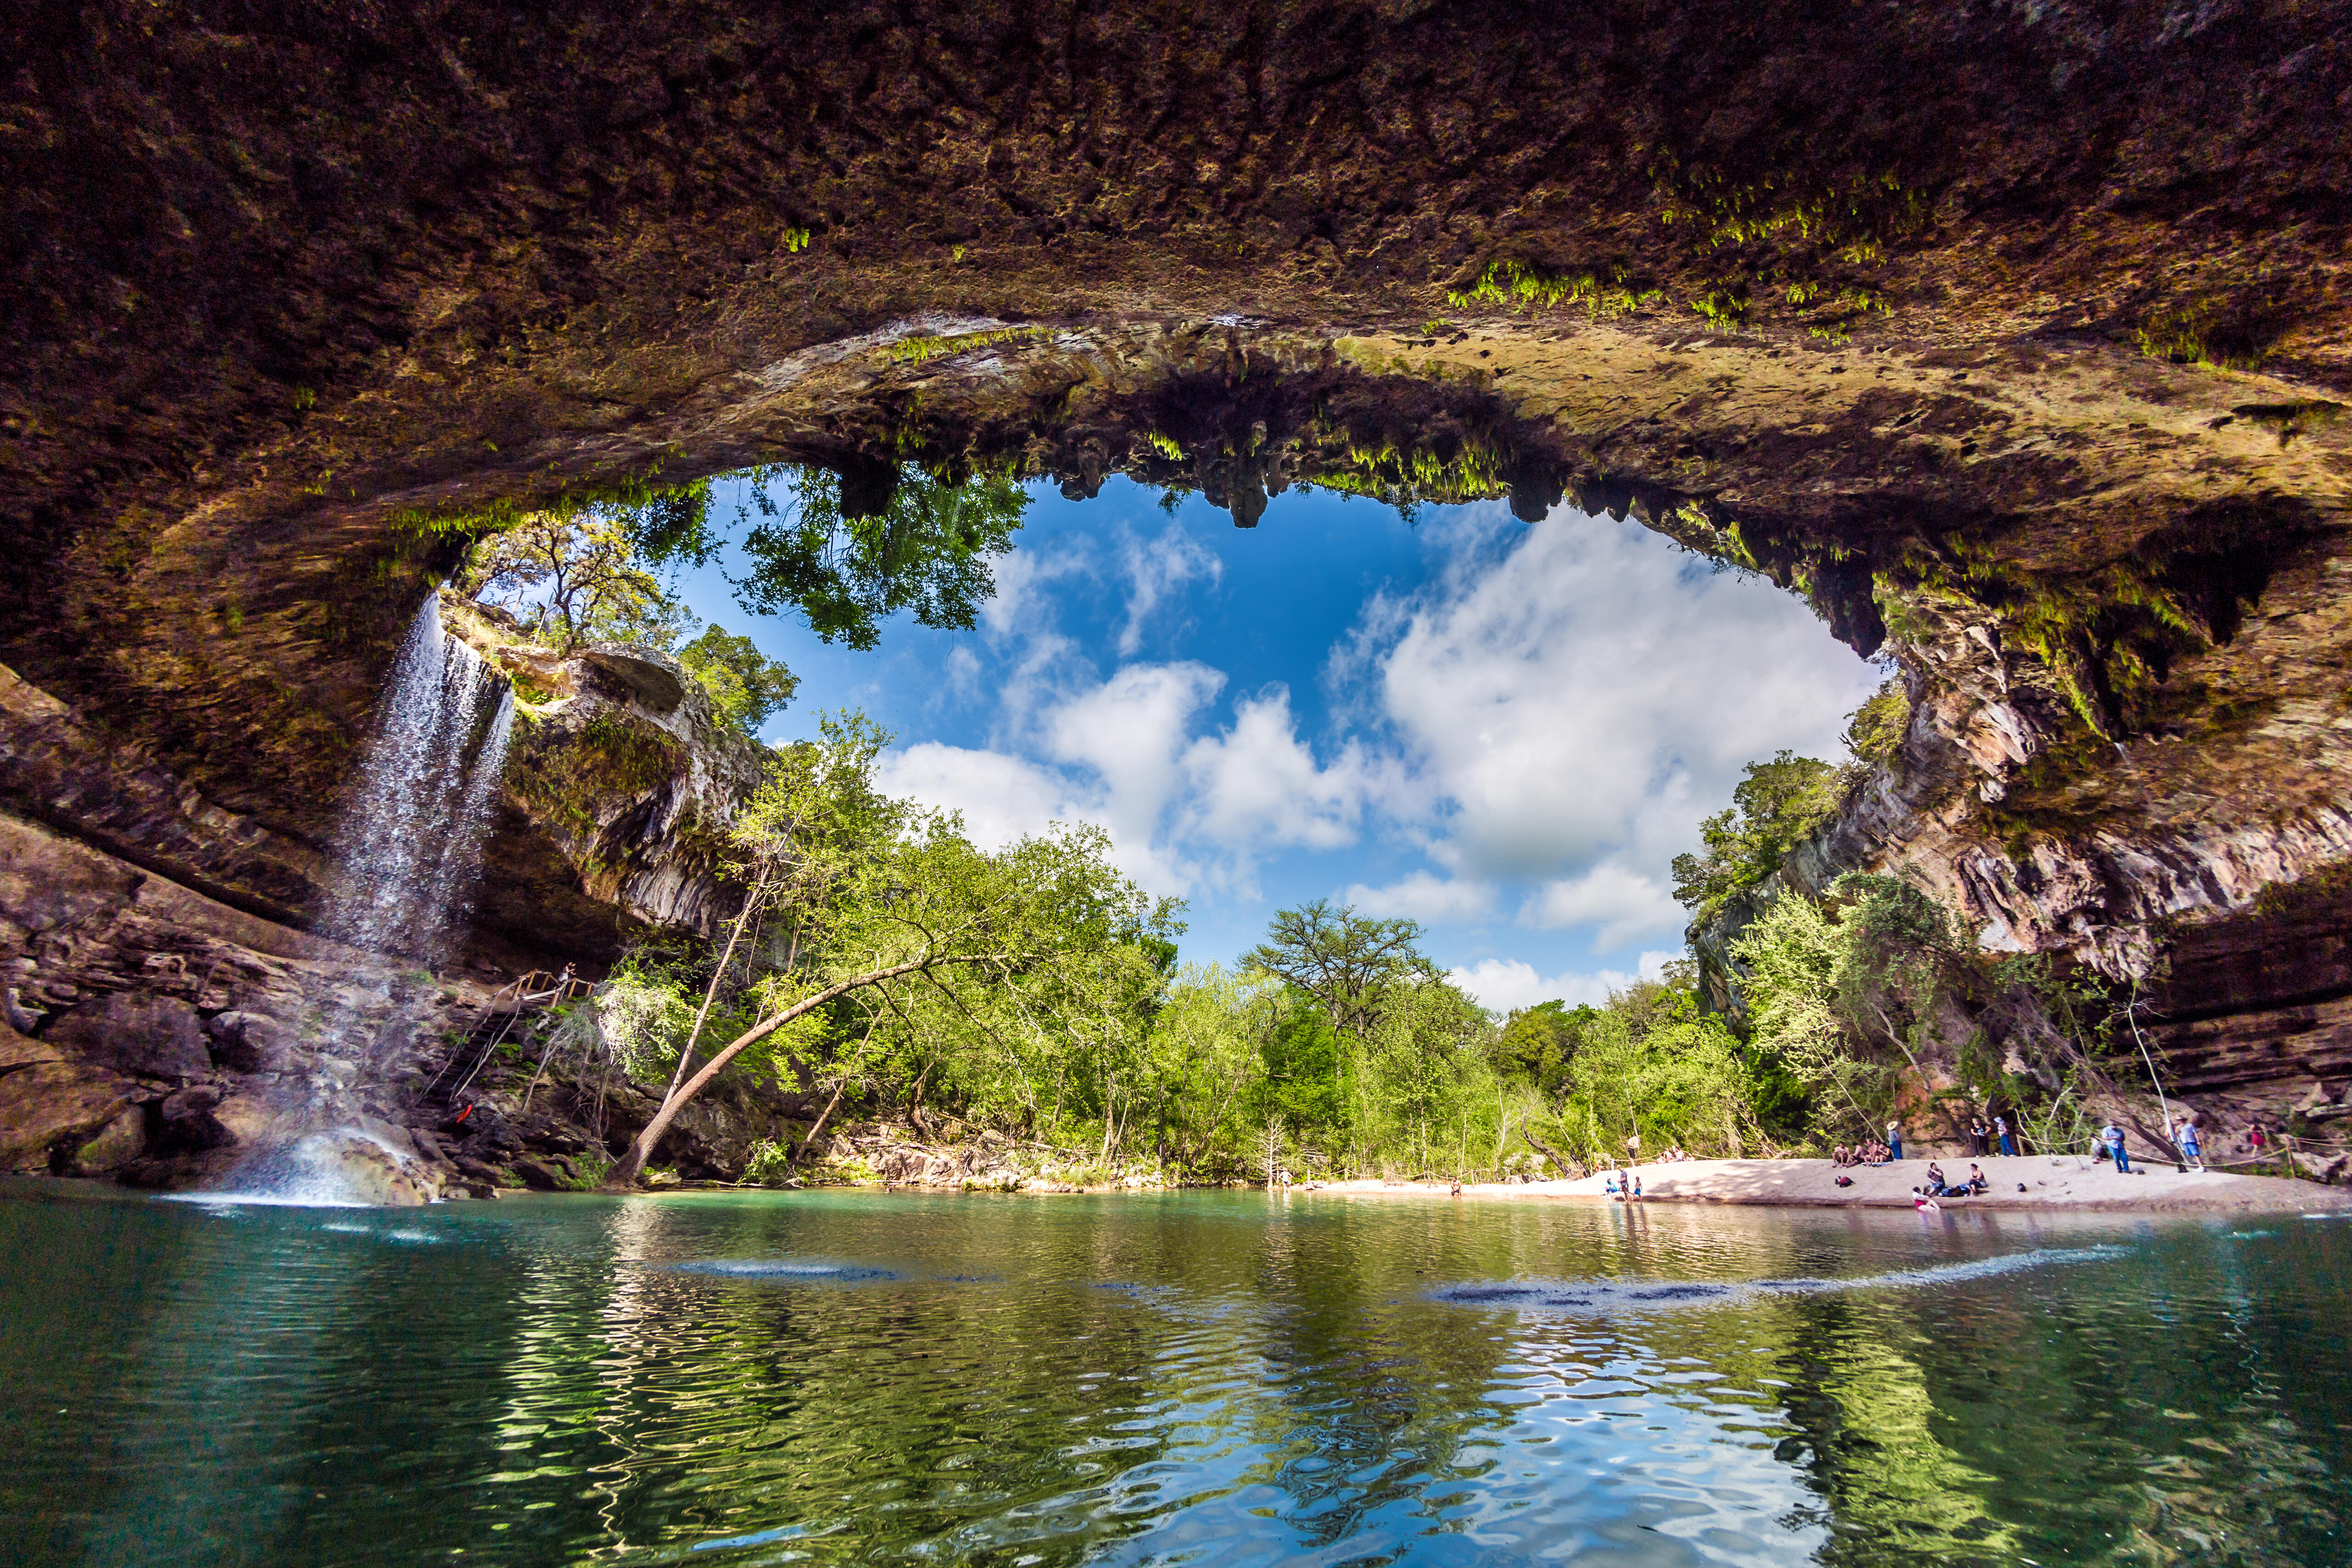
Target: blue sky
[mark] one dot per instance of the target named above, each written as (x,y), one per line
(1503,731)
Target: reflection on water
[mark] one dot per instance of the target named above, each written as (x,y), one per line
(772,1378)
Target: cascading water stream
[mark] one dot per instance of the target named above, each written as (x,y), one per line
(410,845)
(408,855)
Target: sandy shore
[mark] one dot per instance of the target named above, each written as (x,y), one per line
(2061,1182)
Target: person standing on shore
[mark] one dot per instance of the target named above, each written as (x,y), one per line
(2187,1138)
(2112,1137)
(1895,1140)
(2001,1131)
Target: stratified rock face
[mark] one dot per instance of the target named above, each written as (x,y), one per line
(180,1040)
(621,778)
(154,1037)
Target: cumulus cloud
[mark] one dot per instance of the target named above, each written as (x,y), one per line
(1543,724)
(1575,696)
(1424,897)
(1002,798)
(1500,984)
(1182,809)
(1624,905)
(1254,784)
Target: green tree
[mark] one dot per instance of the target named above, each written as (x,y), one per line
(871,898)
(1348,962)
(913,544)
(1831,986)
(571,572)
(1302,1066)
(1537,1042)
(1874,731)
(747,686)
(1204,1062)
(1774,807)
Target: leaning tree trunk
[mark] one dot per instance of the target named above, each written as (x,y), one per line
(633,1163)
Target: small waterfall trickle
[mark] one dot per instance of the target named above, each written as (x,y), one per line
(410,845)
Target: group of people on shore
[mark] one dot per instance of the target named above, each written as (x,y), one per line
(1870,1153)
(1939,1185)
(1986,1139)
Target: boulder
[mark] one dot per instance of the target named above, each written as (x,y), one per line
(338,1166)
(118,1144)
(2329,1168)
(50,1103)
(147,1037)
(18,1050)
(253,1042)
(244,1119)
(189,1125)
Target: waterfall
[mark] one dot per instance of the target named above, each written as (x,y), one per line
(408,854)
(410,845)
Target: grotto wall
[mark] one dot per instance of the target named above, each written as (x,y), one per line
(2013,336)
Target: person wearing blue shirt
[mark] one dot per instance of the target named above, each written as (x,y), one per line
(2112,1136)
(2001,1131)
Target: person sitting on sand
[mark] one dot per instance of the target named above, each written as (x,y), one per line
(1609,1184)
(1936,1187)
(1976,1180)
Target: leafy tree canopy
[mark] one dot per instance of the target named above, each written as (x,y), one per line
(1344,960)
(1537,1042)
(924,549)
(573,576)
(747,685)
(1773,808)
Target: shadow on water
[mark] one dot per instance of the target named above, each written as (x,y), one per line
(838,1377)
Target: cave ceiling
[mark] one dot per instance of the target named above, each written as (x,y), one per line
(2024,326)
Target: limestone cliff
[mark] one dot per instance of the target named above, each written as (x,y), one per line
(621,779)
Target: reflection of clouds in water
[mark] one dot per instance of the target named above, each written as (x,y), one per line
(1615,1296)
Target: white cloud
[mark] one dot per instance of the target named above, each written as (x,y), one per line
(1002,798)
(1502,983)
(1626,905)
(1575,696)
(1013,608)
(1545,722)
(1425,896)
(962,674)
(1182,808)
(1155,569)
(1256,785)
